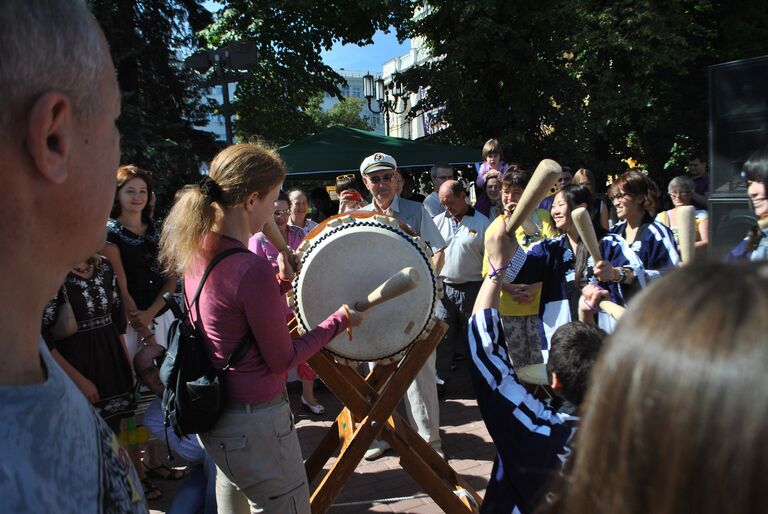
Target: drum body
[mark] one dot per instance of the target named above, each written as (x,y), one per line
(347,258)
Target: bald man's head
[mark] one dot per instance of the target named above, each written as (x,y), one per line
(454,198)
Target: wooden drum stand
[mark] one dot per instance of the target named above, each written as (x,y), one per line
(369,413)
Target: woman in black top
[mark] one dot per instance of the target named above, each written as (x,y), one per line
(94,356)
(132,245)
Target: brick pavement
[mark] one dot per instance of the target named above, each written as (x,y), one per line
(466,443)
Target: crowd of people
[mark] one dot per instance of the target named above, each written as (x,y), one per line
(662,411)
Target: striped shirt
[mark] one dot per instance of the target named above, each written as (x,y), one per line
(552,262)
(531,438)
(654,244)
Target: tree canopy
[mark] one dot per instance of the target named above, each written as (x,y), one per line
(272,103)
(346,112)
(588,82)
(161,101)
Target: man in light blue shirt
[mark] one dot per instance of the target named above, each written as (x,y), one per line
(421,403)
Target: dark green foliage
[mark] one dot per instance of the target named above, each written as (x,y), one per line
(587,82)
(290,35)
(160,100)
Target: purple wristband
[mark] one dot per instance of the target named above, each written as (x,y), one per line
(494,272)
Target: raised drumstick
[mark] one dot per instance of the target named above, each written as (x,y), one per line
(272,233)
(686,232)
(586,230)
(538,188)
(613,310)
(275,237)
(396,285)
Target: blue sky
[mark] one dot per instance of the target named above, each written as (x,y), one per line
(366,58)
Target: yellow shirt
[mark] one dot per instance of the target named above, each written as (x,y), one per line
(507,305)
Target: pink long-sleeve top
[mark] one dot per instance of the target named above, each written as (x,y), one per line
(241,292)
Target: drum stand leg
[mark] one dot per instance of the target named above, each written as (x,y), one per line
(372,402)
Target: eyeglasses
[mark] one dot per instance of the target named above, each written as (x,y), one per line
(348,176)
(283,212)
(618,196)
(679,193)
(382,178)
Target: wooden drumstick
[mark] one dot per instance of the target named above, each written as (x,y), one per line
(538,188)
(612,309)
(586,230)
(396,285)
(275,237)
(272,232)
(686,232)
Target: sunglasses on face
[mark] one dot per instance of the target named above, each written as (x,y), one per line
(381,178)
(282,212)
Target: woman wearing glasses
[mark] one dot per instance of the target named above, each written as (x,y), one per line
(680,190)
(654,244)
(260,245)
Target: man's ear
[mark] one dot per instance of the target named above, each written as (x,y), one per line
(49,135)
(556,384)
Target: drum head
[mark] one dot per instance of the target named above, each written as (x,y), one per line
(347,260)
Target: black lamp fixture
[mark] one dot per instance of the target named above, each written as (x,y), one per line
(387,95)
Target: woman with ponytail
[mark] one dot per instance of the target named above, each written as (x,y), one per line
(254,443)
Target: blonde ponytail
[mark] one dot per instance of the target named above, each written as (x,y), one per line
(190,220)
(235,173)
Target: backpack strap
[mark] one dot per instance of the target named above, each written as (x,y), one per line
(248,339)
(217,259)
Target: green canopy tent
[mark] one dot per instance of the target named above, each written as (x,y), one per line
(341,150)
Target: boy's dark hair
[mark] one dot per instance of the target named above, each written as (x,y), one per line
(574,350)
(282,196)
(518,178)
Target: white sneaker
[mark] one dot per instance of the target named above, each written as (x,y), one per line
(376,450)
(315,409)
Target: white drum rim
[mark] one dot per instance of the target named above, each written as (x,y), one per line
(392,225)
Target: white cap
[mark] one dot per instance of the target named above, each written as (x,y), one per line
(377,162)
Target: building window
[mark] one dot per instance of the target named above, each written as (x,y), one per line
(345,91)
(357,92)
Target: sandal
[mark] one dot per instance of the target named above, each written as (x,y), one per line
(163,472)
(151,491)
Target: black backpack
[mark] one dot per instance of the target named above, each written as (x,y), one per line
(194,391)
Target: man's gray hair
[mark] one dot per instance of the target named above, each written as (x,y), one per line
(48,45)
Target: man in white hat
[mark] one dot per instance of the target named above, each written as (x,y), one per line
(421,403)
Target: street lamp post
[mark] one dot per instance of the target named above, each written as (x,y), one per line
(236,55)
(387,97)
